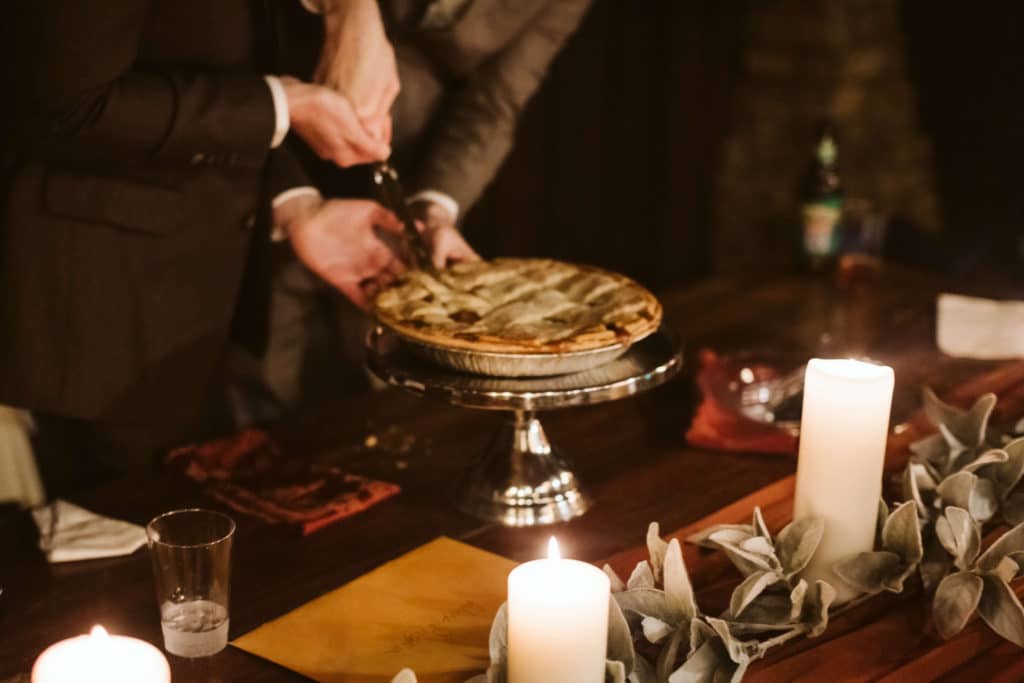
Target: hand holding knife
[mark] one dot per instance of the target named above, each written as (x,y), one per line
(391,195)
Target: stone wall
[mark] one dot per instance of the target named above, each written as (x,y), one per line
(805,60)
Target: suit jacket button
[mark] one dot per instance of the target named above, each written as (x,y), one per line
(197,159)
(249,222)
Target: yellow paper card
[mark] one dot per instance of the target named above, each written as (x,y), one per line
(429,610)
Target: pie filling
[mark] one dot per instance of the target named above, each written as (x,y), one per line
(519,304)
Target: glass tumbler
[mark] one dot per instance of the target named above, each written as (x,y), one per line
(191,553)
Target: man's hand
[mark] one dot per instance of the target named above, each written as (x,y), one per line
(337,240)
(443,239)
(358,61)
(326,121)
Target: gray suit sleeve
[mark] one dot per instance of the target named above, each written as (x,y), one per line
(477,130)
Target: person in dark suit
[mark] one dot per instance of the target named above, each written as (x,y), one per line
(466,68)
(137,211)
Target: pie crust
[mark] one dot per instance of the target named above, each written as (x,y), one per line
(519,306)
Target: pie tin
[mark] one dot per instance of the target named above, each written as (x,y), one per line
(494,364)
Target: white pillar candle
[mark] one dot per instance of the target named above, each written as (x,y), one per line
(101,658)
(557,621)
(842,450)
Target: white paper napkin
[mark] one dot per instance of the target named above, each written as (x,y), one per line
(83,535)
(970,327)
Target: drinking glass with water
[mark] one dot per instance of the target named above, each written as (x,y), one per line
(191,553)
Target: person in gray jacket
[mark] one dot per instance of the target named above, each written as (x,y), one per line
(467,69)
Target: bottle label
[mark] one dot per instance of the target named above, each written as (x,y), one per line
(821,229)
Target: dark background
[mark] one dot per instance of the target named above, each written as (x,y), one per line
(620,156)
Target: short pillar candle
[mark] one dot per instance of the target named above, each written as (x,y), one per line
(557,621)
(843,433)
(101,658)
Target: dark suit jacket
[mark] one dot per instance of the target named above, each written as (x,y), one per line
(136,197)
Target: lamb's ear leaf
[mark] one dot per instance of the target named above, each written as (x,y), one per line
(741,652)
(869,572)
(642,576)
(700,633)
(1010,542)
(733,532)
(760,528)
(819,600)
(968,427)
(933,449)
(748,590)
(796,600)
(613,579)
(677,582)
(984,501)
(795,545)
(959,535)
(747,553)
(642,672)
(935,564)
(968,491)
(620,640)
(614,672)
(916,479)
(655,630)
(656,547)
(989,458)
(709,663)
(955,600)
(1008,474)
(670,652)
(404,676)
(1001,609)
(647,602)
(768,610)
(1008,568)
(498,642)
(883,515)
(1013,508)
(902,533)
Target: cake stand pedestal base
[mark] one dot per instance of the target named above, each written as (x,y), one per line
(521,479)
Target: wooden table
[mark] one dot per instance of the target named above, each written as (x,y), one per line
(631,454)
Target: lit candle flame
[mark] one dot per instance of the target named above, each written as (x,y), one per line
(99,632)
(553,553)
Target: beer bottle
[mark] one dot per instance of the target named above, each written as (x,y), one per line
(822,201)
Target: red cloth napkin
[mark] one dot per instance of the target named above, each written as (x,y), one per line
(718,428)
(248,473)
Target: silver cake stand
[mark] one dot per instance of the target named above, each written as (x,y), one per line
(521,479)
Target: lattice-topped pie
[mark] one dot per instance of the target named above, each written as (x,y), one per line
(519,306)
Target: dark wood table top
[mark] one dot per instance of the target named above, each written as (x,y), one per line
(630,454)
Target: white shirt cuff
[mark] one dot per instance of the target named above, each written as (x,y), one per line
(440,198)
(313,6)
(278,233)
(282,122)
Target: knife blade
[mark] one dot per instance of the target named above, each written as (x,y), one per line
(392,196)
